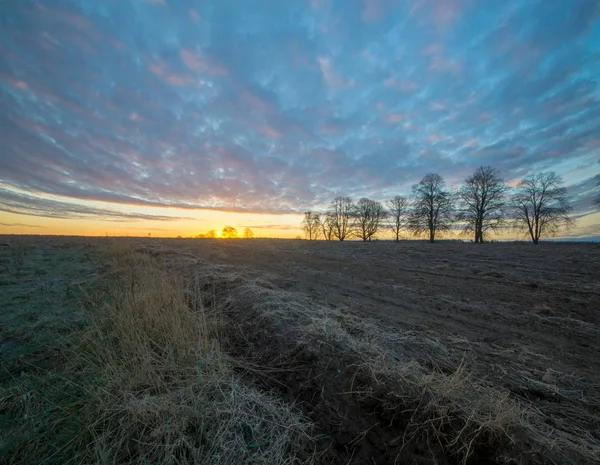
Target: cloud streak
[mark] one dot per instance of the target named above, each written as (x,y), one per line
(24,204)
(275,107)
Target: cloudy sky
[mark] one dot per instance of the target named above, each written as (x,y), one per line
(174,117)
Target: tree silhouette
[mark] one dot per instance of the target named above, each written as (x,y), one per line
(229,232)
(341,216)
(483,202)
(541,205)
(367,216)
(311,225)
(432,207)
(326,221)
(398,214)
(248,233)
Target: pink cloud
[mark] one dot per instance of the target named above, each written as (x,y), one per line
(328,158)
(18,84)
(513,183)
(270,132)
(445,11)
(194,16)
(441,12)
(179,79)
(330,128)
(394,118)
(433,138)
(411,127)
(593,143)
(158,67)
(405,85)
(372,10)
(484,117)
(202,63)
(443,65)
(318,4)
(434,48)
(257,102)
(437,106)
(76,20)
(329,74)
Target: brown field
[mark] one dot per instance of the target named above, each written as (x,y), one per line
(411,352)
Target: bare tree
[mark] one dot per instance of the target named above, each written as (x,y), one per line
(248,233)
(311,225)
(367,216)
(483,202)
(229,232)
(541,205)
(432,207)
(326,220)
(398,215)
(341,216)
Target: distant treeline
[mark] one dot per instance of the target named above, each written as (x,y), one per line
(483,204)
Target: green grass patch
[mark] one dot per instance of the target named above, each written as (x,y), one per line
(44,287)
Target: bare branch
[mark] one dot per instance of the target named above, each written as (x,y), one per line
(341,214)
(311,225)
(483,202)
(326,223)
(398,214)
(432,207)
(541,205)
(368,215)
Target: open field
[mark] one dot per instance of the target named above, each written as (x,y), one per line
(386,353)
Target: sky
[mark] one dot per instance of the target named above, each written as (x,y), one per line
(173,117)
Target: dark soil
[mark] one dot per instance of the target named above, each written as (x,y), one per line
(522,317)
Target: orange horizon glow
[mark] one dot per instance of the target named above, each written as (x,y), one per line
(11,224)
(191,223)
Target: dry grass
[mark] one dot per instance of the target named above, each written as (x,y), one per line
(155,386)
(452,411)
(167,392)
(118,247)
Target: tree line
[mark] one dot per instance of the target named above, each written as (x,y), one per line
(228,232)
(483,204)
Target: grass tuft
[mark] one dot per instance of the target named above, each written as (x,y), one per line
(146,381)
(167,392)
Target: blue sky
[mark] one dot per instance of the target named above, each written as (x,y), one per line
(114,110)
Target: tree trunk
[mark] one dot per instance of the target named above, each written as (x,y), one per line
(479,239)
